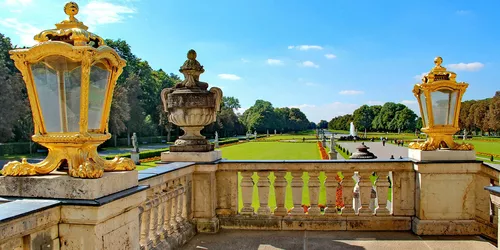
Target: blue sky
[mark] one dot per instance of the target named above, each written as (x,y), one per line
(326,57)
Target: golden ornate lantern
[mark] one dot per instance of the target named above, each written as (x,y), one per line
(439,97)
(70,76)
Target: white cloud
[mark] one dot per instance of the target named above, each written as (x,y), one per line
(351,92)
(462,12)
(305,47)
(375,103)
(243,60)
(274,62)
(17,2)
(309,64)
(330,56)
(25,31)
(474,66)
(419,77)
(231,77)
(99,12)
(315,113)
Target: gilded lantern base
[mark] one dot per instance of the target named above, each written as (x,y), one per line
(76,152)
(440,141)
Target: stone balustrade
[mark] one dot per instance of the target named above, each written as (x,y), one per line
(175,201)
(355,195)
(166,215)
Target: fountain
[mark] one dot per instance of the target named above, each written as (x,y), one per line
(352,130)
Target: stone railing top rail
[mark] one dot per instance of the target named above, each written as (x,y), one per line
(19,208)
(162,169)
(319,161)
(322,165)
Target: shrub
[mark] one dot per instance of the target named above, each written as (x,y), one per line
(142,155)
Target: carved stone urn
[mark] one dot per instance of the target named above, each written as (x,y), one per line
(191,106)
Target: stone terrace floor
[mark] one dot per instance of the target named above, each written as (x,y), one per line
(291,240)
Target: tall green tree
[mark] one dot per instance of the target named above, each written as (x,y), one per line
(230,102)
(363,118)
(382,122)
(494,113)
(323,124)
(404,120)
(15,116)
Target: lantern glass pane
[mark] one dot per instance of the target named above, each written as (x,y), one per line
(99,79)
(453,107)
(424,114)
(57,81)
(441,109)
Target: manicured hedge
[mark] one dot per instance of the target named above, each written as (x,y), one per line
(142,155)
(228,141)
(15,148)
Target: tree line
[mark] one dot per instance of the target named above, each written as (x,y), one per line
(263,117)
(476,116)
(136,105)
(390,117)
(481,116)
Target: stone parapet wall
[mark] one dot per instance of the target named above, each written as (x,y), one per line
(175,201)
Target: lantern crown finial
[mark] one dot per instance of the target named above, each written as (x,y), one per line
(439,73)
(71,31)
(438,61)
(71,9)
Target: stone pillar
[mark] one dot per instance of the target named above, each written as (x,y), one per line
(102,227)
(445,201)
(204,199)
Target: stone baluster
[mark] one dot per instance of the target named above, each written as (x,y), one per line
(184,182)
(180,203)
(263,187)
(365,189)
(348,194)
(382,191)
(246,191)
(494,209)
(168,212)
(279,190)
(144,225)
(154,219)
(297,184)
(173,207)
(161,214)
(314,185)
(331,185)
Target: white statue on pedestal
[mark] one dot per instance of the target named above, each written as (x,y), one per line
(216,141)
(135,143)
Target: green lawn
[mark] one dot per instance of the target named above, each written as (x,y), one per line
(289,137)
(271,151)
(492,147)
